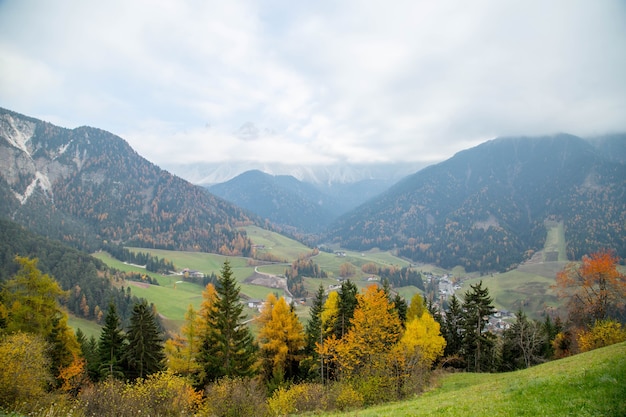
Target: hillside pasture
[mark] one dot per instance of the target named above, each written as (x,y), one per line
(589,384)
(276,244)
(514,290)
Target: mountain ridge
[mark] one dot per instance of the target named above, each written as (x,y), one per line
(484,208)
(86,185)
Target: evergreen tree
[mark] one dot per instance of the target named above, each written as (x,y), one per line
(313,335)
(111,345)
(452,327)
(89,349)
(144,352)
(347,304)
(228,347)
(401,308)
(476,310)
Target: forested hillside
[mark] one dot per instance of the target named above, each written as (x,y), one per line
(85,185)
(485,208)
(282,199)
(87,280)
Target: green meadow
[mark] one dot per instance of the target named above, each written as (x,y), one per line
(588,384)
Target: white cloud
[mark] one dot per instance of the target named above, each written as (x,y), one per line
(331,81)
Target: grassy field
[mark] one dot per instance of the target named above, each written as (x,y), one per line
(589,384)
(88,327)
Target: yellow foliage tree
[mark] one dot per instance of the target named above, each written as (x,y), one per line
(423,336)
(281,339)
(330,312)
(376,328)
(24,368)
(417,307)
(181,350)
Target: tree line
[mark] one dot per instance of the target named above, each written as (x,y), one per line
(358,347)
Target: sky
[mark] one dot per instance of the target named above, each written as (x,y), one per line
(323,82)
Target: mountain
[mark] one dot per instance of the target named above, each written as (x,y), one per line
(485,207)
(282,199)
(287,201)
(207,173)
(84,186)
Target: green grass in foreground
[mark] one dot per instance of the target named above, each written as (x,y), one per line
(589,384)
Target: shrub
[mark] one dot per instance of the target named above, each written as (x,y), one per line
(161,394)
(298,399)
(344,397)
(235,397)
(602,333)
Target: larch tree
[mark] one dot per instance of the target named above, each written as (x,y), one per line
(281,340)
(143,355)
(594,289)
(30,298)
(416,308)
(228,348)
(375,329)
(181,351)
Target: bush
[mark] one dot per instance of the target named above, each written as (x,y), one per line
(161,394)
(344,397)
(298,399)
(602,333)
(235,397)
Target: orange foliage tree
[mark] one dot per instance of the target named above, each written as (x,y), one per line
(595,289)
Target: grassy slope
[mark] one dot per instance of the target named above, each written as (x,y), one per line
(589,384)
(529,286)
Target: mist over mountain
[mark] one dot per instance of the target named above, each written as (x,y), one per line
(486,207)
(84,186)
(206,173)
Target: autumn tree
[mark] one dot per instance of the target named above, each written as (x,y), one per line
(143,355)
(111,345)
(477,343)
(416,308)
(181,351)
(594,289)
(30,298)
(24,368)
(228,346)
(375,329)
(281,340)
(423,337)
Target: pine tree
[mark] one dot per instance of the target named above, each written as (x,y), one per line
(314,325)
(111,345)
(476,311)
(347,304)
(399,304)
(452,327)
(228,347)
(143,354)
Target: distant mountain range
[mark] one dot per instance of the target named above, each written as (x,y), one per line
(485,207)
(84,186)
(291,203)
(208,174)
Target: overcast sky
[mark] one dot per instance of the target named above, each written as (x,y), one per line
(316,82)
